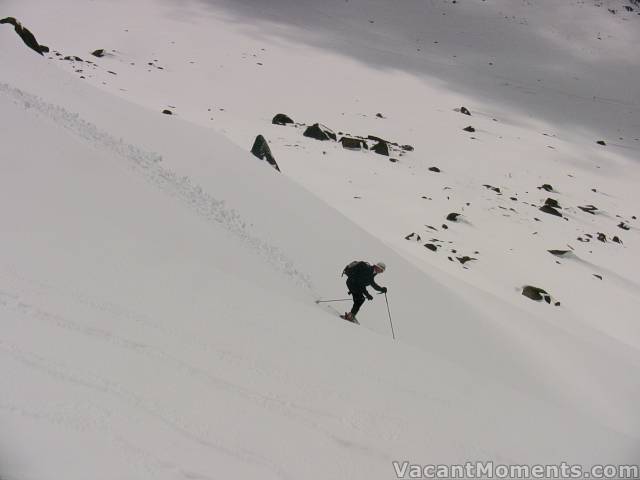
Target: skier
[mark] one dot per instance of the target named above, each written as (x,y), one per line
(360,275)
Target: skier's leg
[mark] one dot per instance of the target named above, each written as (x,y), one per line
(358,300)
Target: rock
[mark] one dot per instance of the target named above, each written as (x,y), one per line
(597,276)
(381,148)
(353,143)
(44,49)
(407,148)
(465,259)
(552,202)
(319,132)
(602,237)
(453,217)
(535,293)
(490,187)
(27,37)
(98,53)
(589,209)
(616,239)
(558,253)
(72,58)
(465,111)
(393,160)
(167,112)
(410,236)
(261,150)
(550,210)
(546,187)
(601,142)
(624,226)
(445,226)
(469,129)
(281,119)
(379,115)
(431,246)
(434,169)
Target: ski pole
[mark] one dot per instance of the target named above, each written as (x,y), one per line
(393,334)
(336,300)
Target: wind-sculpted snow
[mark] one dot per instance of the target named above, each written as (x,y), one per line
(148,165)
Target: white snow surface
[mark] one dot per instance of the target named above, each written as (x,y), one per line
(157,281)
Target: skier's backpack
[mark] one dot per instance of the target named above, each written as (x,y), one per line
(348,270)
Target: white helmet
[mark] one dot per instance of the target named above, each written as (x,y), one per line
(381,266)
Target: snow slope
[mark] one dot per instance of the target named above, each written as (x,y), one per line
(157,282)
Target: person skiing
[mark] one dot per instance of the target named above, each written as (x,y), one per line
(360,275)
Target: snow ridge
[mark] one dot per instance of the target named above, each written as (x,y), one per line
(147,165)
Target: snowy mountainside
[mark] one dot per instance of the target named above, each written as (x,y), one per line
(157,281)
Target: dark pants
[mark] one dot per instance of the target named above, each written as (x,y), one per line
(357,292)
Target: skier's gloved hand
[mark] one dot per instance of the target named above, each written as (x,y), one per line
(383,290)
(369,297)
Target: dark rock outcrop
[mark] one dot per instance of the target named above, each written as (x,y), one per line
(546,187)
(535,293)
(167,112)
(319,132)
(550,210)
(465,259)
(381,148)
(602,237)
(434,169)
(601,142)
(552,202)
(465,111)
(98,53)
(281,119)
(27,37)
(431,246)
(491,187)
(261,150)
(624,226)
(469,129)
(453,217)
(407,148)
(353,143)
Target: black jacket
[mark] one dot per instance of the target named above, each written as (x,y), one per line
(360,276)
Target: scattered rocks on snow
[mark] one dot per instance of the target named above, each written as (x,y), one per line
(546,187)
(624,226)
(261,150)
(616,239)
(393,160)
(98,53)
(602,237)
(490,187)
(353,143)
(601,142)
(431,246)
(412,235)
(469,129)
(407,148)
(72,58)
(27,37)
(453,217)
(434,169)
(319,132)
(281,119)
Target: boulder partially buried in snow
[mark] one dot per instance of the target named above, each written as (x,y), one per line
(281,119)
(261,150)
(353,143)
(381,148)
(319,132)
(535,293)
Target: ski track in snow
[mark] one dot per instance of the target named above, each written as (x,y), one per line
(147,165)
